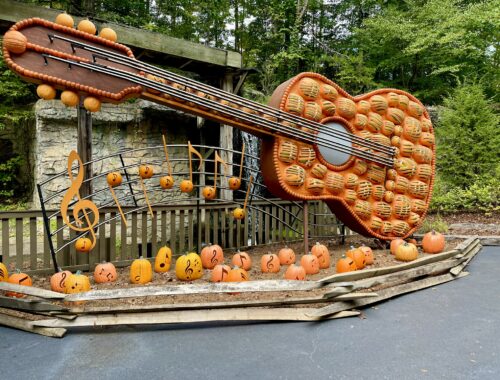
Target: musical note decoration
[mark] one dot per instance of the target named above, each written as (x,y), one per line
(240,213)
(146,172)
(209,192)
(80,207)
(235,182)
(114,179)
(167,182)
(187,186)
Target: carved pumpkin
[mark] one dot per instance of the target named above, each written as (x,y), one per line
(270,263)
(242,260)
(83,244)
(345,264)
(87,27)
(163,260)
(188,267)
(295,272)
(58,280)
(234,183)
(321,252)
(186,186)
(211,255)
(114,179)
(105,272)
(395,244)
(239,213)
(77,283)
(219,273)
(46,92)
(433,242)
(286,256)
(167,182)
(141,271)
(108,34)
(19,278)
(358,256)
(406,252)
(237,274)
(15,42)
(69,98)
(208,192)
(310,263)
(92,104)
(145,171)
(65,19)
(368,254)
(4,273)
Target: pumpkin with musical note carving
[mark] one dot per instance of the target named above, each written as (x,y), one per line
(286,256)
(345,264)
(188,267)
(239,213)
(237,274)
(163,260)
(77,283)
(211,255)
(105,272)
(242,259)
(358,256)
(186,186)
(323,255)
(4,273)
(167,182)
(368,254)
(114,179)
(295,272)
(310,263)
(141,271)
(146,171)
(83,244)
(234,183)
(219,273)
(209,192)
(58,280)
(19,278)
(270,263)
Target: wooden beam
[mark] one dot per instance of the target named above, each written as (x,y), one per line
(31,291)
(22,324)
(29,305)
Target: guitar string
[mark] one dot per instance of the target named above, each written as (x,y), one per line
(273,112)
(238,114)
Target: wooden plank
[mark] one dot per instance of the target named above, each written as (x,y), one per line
(103,254)
(123,240)
(215,224)
(459,268)
(173,232)
(254,227)
(47,257)
(33,244)
(5,242)
(267,226)
(31,291)
(230,243)
(133,251)
(73,256)
(19,244)
(238,234)
(29,305)
(261,227)
(112,237)
(22,324)
(144,237)
(223,227)
(182,232)
(163,228)
(154,232)
(190,246)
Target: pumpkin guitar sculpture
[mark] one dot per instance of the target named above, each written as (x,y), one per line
(370,157)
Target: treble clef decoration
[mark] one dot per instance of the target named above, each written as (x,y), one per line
(82,205)
(189,271)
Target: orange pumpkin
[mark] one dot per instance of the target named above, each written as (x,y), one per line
(395,244)
(87,27)
(186,186)
(92,104)
(242,259)
(310,263)
(270,263)
(208,192)
(69,98)
(108,34)
(368,254)
(237,274)
(145,171)
(234,183)
(15,42)
(141,271)
(105,272)
(211,255)
(219,273)
(58,280)
(114,179)
(83,244)
(19,278)
(46,92)
(167,182)
(163,260)
(76,283)
(406,252)
(65,19)
(295,272)
(286,256)
(4,273)
(358,256)
(321,252)
(345,264)
(433,242)
(239,213)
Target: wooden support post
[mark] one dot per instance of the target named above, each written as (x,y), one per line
(226,141)
(305,218)
(84,146)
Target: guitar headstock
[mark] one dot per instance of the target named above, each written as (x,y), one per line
(57,56)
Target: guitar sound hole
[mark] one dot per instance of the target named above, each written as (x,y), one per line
(340,149)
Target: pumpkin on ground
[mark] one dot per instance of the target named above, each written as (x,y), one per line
(163,260)
(19,278)
(4,273)
(323,255)
(345,264)
(270,263)
(286,256)
(358,256)
(219,273)
(237,274)
(141,271)
(433,242)
(310,263)
(58,280)
(188,267)
(211,255)
(77,283)
(295,272)
(242,259)
(395,243)
(105,272)
(406,252)
(368,254)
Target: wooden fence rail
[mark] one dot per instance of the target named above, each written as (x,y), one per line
(183,227)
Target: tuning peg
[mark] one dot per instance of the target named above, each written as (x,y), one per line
(92,104)
(87,27)
(15,42)
(46,92)
(108,34)
(239,213)
(208,192)
(69,98)
(65,19)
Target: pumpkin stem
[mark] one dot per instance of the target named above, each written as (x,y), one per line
(78,272)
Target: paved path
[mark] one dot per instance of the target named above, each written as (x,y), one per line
(451,331)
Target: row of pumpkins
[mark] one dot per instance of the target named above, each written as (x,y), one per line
(190,266)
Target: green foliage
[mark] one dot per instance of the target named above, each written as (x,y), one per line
(436,223)
(8,178)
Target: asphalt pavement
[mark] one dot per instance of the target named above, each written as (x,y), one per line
(451,331)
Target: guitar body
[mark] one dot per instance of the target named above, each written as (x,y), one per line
(369,198)
(370,157)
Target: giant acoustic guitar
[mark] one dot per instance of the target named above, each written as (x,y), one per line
(371,158)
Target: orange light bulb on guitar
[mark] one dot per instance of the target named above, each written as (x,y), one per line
(92,104)
(208,192)
(15,42)
(186,186)
(114,179)
(65,19)
(69,98)
(108,34)
(167,182)
(87,26)
(234,183)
